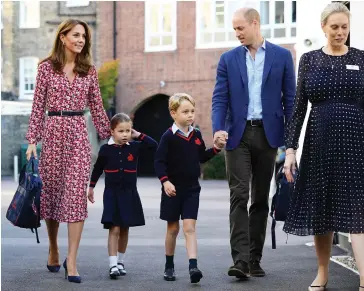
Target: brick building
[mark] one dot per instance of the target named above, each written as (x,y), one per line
(173,46)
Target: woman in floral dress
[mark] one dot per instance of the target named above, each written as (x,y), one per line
(66,84)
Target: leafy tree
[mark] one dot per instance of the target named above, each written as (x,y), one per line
(108,77)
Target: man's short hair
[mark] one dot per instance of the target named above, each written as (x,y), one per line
(251,14)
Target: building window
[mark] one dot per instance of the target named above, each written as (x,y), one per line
(77,3)
(1,10)
(214,21)
(160,25)
(29,14)
(27,75)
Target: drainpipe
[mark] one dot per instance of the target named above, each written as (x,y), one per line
(114,29)
(114,47)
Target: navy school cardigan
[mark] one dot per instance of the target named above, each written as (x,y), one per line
(178,157)
(119,162)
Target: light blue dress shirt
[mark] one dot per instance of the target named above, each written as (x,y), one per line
(255,75)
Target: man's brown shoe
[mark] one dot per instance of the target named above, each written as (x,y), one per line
(255,269)
(239,270)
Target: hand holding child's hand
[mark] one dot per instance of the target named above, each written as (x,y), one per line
(219,146)
(134,133)
(169,189)
(220,139)
(90,195)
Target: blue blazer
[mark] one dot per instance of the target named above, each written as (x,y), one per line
(230,99)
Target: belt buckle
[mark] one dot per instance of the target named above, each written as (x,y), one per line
(61,112)
(252,124)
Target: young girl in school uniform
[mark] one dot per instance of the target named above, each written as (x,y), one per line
(122,206)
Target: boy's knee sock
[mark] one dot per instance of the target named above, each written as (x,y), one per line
(193,263)
(169,262)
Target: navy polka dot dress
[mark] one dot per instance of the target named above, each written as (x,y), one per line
(329,190)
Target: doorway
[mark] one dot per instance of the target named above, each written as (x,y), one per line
(152,118)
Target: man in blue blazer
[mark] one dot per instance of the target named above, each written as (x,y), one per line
(252,99)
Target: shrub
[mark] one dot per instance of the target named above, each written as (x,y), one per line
(108,77)
(215,168)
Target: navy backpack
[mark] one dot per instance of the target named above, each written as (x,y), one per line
(24,209)
(280,201)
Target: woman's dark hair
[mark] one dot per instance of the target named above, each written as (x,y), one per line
(119,118)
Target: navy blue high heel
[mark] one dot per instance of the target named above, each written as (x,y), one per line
(73,279)
(53,269)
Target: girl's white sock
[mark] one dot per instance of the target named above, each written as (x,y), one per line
(121,257)
(113,260)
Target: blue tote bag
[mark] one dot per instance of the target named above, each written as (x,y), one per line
(24,209)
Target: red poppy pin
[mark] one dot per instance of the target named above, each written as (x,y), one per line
(197,141)
(130,157)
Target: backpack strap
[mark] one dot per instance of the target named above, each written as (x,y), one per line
(36,233)
(273,233)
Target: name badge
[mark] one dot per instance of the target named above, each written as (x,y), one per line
(352,67)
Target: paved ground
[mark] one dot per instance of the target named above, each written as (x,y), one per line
(290,267)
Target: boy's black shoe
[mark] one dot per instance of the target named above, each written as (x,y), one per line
(239,270)
(169,274)
(195,275)
(255,269)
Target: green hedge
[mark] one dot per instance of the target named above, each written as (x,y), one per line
(215,168)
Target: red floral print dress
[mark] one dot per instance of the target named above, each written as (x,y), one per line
(65,160)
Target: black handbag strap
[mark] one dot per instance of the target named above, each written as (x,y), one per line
(36,234)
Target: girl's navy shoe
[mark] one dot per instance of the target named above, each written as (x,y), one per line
(53,269)
(73,279)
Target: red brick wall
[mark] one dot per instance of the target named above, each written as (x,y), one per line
(187,69)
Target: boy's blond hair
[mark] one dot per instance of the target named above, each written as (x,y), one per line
(176,99)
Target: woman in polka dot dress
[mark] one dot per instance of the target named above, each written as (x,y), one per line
(66,84)
(329,190)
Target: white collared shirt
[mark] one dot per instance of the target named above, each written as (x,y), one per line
(175,128)
(111,141)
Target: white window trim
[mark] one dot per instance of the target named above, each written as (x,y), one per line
(77,3)
(280,40)
(1,11)
(23,94)
(147,33)
(22,23)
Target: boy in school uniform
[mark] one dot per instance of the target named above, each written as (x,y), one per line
(177,164)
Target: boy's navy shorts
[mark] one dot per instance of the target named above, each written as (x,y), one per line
(184,205)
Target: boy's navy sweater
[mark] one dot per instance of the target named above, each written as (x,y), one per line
(178,157)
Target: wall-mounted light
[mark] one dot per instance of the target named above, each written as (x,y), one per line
(162,84)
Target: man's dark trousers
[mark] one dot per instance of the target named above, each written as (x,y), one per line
(251,163)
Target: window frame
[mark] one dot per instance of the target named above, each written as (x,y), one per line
(288,25)
(22,12)
(77,3)
(26,94)
(147,32)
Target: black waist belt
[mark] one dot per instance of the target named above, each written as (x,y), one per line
(256,122)
(65,113)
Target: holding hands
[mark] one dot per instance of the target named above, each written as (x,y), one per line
(220,139)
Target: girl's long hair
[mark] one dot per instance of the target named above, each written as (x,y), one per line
(57,56)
